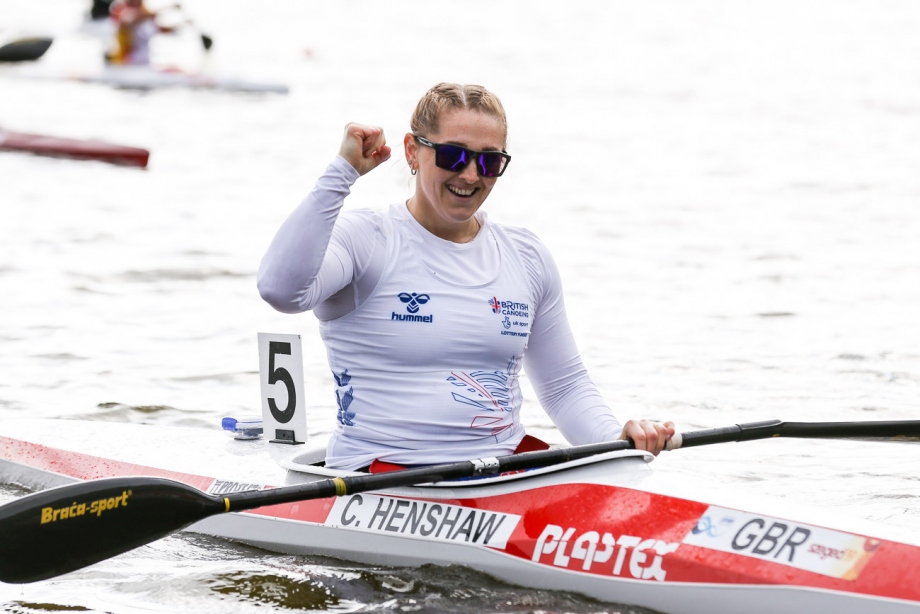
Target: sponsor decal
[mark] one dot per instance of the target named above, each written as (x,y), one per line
(223,487)
(413,301)
(52,514)
(516,315)
(509,308)
(802,546)
(626,555)
(424,519)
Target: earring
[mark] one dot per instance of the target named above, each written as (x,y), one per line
(414,171)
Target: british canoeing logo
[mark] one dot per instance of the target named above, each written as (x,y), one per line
(512,309)
(509,308)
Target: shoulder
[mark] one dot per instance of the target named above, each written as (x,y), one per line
(535,257)
(359,229)
(530,247)
(361,217)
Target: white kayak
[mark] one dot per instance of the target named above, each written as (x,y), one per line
(607,526)
(150,78)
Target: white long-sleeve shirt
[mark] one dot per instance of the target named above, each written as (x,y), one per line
(426,338)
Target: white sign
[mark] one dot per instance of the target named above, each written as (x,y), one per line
(803,546)
(425,519)
(284,413)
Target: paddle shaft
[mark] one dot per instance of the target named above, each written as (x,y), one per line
(545,458)
(898,430)
(351,484)
(62,529)
(907,430)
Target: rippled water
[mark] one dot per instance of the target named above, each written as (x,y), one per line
(730,190)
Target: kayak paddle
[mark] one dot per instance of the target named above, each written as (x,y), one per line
(55,531)
(25,49)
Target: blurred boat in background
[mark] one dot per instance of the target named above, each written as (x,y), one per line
(149,78)
(82,149)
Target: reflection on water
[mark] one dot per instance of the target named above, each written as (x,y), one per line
(425,589)
(276,591)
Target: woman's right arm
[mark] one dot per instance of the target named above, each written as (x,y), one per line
(292,276)
(297,273)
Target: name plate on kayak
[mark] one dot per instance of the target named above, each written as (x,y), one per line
(424,519)
(803,546)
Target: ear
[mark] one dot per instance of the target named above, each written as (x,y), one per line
(411,148)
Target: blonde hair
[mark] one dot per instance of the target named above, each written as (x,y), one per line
(450,96)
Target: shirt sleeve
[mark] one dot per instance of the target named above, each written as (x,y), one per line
(554,366)
(301,269)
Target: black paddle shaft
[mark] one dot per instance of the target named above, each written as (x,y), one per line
(899,430)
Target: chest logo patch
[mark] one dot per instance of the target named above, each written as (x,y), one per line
(413,302)
(515,316)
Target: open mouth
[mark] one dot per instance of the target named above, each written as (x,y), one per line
(461,192)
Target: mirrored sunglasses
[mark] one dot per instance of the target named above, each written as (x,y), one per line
(455,158)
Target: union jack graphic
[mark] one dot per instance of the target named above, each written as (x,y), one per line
(496,307)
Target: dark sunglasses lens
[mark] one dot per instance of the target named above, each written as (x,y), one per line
(455,158)
(451,157)
(492,164)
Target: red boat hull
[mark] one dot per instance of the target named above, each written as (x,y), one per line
(82,149)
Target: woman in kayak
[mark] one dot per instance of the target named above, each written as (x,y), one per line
(429,310)
(135,25)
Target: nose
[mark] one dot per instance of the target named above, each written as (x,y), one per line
(470,174)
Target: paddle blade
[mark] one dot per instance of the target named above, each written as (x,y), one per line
(62,529)
(24,50)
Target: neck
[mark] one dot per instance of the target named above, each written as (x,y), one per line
(459,232)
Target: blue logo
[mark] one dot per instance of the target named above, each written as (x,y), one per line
(413,301)
(344,400)
(705,525)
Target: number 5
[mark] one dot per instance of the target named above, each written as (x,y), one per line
(281,362)
(280,374)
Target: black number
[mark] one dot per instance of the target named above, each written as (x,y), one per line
(281,375)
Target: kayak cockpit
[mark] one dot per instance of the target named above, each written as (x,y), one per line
(310,464)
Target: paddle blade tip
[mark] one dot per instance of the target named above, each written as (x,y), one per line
(56,531)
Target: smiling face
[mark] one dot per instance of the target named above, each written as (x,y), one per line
(445,201)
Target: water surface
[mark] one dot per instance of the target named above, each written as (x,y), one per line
(729,189)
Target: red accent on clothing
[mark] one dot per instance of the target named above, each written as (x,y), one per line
(528,444)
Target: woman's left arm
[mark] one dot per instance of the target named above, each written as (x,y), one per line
(559,377)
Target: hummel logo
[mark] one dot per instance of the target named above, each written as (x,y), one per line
(413,300)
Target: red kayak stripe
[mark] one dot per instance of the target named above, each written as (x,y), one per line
(85,466)
(73,148)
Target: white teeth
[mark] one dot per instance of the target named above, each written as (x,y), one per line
(460,192)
